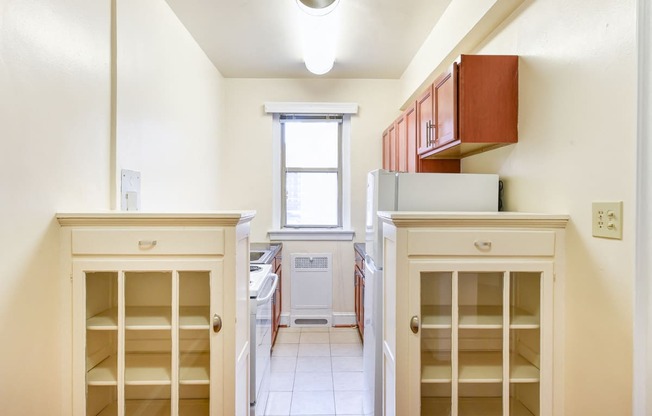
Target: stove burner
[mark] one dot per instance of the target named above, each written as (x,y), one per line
(254,268)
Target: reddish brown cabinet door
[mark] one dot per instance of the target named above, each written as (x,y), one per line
(425,119)
(390,148)
(276,299)
(386,150)
(410,127)
(475,106)
(445,107)
(402,144)
(358,283)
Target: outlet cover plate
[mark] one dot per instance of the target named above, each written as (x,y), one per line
(129,190)
(607,219)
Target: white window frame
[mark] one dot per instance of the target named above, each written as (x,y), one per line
(344,233)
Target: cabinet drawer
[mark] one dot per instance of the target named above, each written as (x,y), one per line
(148,241)
(481,243)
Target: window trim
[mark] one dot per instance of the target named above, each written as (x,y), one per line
(345,233)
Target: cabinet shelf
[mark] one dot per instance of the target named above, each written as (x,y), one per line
(522,319)
(194,317)
(194,369)
(522,371)
(436,406)
(106,320)
(480,317)
(103,374)
(188,407)
(516,408)
(480,406)
(480,367)
(435,371)
(147,369)
(436,316)
(148,317)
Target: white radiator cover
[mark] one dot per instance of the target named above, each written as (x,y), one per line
(311,277)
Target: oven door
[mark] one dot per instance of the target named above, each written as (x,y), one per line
(261,345)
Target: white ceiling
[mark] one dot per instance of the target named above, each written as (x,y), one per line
(259,38)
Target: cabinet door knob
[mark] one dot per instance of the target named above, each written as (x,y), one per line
(217,323)
(414,324)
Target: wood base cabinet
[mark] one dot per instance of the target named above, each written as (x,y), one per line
(359,285)
(277,299)
(155,301)
(468,313)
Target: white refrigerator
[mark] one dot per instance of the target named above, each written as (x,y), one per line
(391,191)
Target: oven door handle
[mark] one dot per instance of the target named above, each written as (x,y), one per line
(266,298)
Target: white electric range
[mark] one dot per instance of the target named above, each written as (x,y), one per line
(262,284)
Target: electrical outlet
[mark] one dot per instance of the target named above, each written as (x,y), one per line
(608,219)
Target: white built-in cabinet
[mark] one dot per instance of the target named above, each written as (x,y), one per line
(160,316)
(469,306)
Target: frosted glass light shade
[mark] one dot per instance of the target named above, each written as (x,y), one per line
(317,7)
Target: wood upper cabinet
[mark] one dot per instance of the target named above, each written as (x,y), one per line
(470,108)
(390,149)
(402,144)
(425,118)
(404,154)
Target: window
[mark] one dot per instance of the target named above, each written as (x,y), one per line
(311,171)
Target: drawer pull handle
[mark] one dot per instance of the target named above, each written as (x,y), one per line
(217,323)
(414,324)
(483,245)
(147,244)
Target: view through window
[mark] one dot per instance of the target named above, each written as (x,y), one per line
(312,171)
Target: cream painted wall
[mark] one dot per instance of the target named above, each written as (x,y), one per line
(246,164)
(54,131)
(170,106)
(577,144)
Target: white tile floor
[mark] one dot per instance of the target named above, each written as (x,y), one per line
(316,371)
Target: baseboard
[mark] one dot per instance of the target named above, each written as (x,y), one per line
(339,319)
(344,319)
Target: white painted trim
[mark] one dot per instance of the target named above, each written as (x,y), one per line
(343,318)
(311,108)
(642,289)
(311,235)
(345,234)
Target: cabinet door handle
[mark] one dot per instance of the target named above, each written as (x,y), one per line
(482,245)
(427,135)
(217,323)
(414,324)
(147,244)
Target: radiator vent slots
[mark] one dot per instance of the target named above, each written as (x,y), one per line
(310,263)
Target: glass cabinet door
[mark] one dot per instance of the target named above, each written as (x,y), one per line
(101,348)
(480,343)
(436,362)
(146,339)
(194,343)
(481,340)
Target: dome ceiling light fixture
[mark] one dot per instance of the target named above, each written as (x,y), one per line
(319,34)
(317,7)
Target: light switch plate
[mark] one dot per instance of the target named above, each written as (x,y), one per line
(129,190)
(607,219)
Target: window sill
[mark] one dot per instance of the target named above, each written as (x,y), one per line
(314,234)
